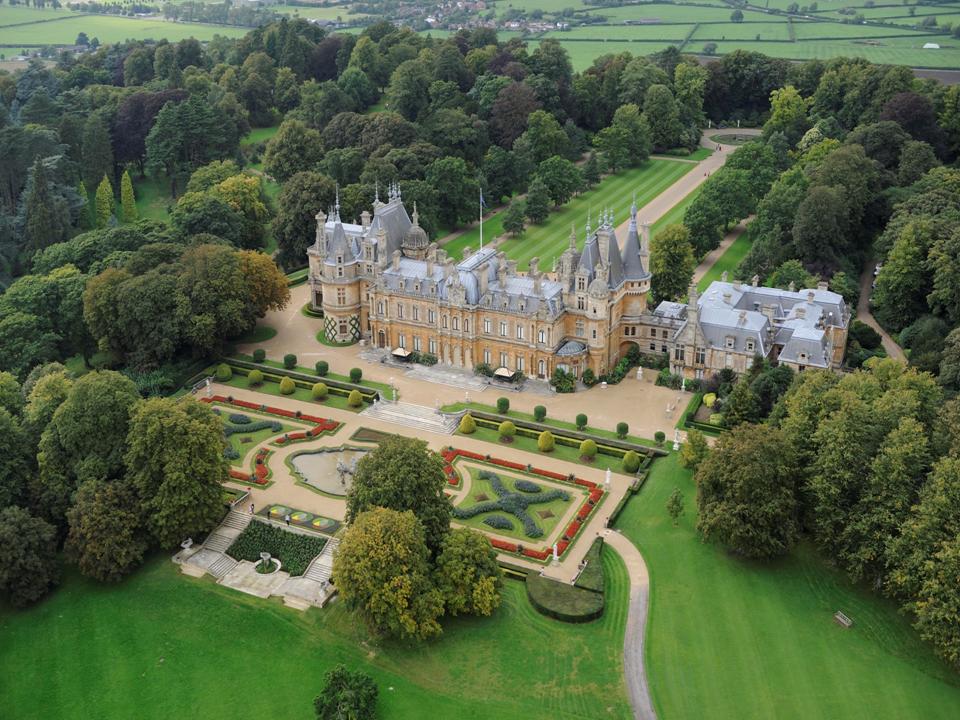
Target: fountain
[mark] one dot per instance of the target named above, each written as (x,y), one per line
(329,470)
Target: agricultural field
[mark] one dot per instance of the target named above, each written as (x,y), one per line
(17,14)
(317,12)
(758,640)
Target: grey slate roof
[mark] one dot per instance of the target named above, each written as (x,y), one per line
(633,268)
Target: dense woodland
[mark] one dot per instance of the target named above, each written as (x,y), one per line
(855,163)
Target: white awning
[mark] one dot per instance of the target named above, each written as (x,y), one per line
(401,352)
(502,372)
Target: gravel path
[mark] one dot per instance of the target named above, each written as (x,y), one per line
(865,316)
(633,643)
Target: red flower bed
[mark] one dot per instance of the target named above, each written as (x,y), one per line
(572,529)
(584,511)
(584,483)
(502,545)
(596,494)
(562,547)
(537,554)
(550,474)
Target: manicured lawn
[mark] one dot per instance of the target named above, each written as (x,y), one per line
(244,442)
(457,407)
(111,29)
(259,135)
(161,645)
(529,445)
(615,192)
(736,639)
(674,216)
(304,394)
(555,508)
(382,387)
(153,197)
(701,153)
(728,262)
(260,333)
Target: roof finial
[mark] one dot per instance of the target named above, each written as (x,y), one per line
(416,216)
(633,207)
(376,190)
(589,213)
(336,207)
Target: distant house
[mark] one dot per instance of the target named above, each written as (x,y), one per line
(931,46)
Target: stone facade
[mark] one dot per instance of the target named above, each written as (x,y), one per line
(382,281)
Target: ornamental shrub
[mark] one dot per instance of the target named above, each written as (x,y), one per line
(354,399)
(468,425)
(355,375)
(539,413)
(589,378)
(239,419)
(287,386)
(545,442)
(659,436)
(588,449)
(323,367)
(709,399)
(289,361)
(499,522)
(255,377)
(622,430)
(716,419)
(503,405)
(259,355)
(631,462)
(507,430)
(581,421)
(224,372)
(525,486)
(319,391)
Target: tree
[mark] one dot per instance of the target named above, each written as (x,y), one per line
(746,495)
(916,160)
(174,459)
(106,536)
(301,196)
(408,92)
(468,425)
(514,217)
(403,474)
(85,439)
(661,113)
(788,114)
(128,202)
(97,151)
(295,148)
(591,170)
(791,272)
(736,16)
(467,574)
(819,227)
(671,263)
(675,505)
(937,605)
(244,195)
(742,406)
(694,450)
(346,695)
(538,201)
(196,213)
(510,113)
(899,295)
(382,573)
(28,556)
(267,287)
(46,217)
(26,341)
(543,137)
(460,187)
(105,203)
(15,460)
(545,442)
(561,177)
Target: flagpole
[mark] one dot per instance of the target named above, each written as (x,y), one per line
(481,218)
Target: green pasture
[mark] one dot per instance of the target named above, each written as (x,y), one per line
(891,51)
(161,645)
(733,639)
(316,12)
(555,509)
(10,15)
(671,13)
(615,192)
(153,197)
(742,31)
(622,32)
(813,30)
(111,29)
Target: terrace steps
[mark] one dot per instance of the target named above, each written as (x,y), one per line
(418,417)
(222,566)
(222,538)
(322,566)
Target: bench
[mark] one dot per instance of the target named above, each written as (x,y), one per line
(842,620)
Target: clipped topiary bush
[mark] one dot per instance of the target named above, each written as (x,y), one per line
(507,430)
(319,391)
(525,486)
(259,355)
(588,450)
(354,399)
(709,399)
(631,462)
(539,413)
(716,419)
(581,421)
(503,405)
(239,419)
(355,375)
(659,436)
(468,425)
(224,372)
(545,442)
(499,522)
(287,386)
(255,378)
(289,361)
(323,367)
(622,430)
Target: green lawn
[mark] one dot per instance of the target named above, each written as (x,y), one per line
(254,438)
(616,192)
(153,197)
(674,216)
(303,394)
(728,262)
(259,135)
(735,639)
(260,333)
(556,508)
(382,387)
(161,645)
(111,29)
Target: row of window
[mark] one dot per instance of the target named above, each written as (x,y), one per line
(543,335)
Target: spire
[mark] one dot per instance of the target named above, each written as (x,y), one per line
(633,207)
(416,216)
(376,191)
(336,207)
(589,213)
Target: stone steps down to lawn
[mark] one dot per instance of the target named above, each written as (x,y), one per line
(322,566)
(418,417)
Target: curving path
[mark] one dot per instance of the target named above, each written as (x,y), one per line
(865,316)
(633,642)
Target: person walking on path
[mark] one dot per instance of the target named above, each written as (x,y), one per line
(286,518)
(251,508)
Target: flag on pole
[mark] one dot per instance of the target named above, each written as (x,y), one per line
(482,206)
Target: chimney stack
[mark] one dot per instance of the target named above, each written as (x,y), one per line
(534,272)
(603,243)
(723,276)
(755,280)
(822,285)
(396,259)
(483,275)
(365,219)
(466,252)
(801,312)
(727,297)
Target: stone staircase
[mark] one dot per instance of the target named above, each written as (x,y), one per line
(224,535)
(322,566)
(417,417)
(222,566)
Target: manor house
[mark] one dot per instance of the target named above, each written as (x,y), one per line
(383,282)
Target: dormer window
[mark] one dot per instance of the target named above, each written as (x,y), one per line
(339,259)
(581,284)
(730,342)
(750,345)
(803,357)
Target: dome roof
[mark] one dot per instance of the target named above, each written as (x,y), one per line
(415,238)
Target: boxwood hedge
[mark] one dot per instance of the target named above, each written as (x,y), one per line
(295,551)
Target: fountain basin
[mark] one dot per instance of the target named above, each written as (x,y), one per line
(329,470)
